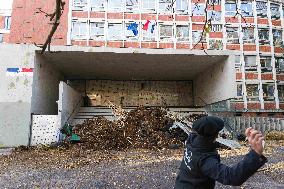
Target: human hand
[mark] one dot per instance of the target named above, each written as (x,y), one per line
(255,140)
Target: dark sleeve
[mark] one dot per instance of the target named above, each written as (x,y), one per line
(235,175)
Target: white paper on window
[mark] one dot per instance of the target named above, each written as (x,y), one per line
(96,30)
(80,5)
(149,34)
(114,31)
(165,5)
(250,61)
(115,4)
(97,5)
(148,5)
(182,6)
(197,10)
(132,5)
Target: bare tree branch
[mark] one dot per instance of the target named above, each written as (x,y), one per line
(55,17)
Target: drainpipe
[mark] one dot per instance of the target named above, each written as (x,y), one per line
(30,134)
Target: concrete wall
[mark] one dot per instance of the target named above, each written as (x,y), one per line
(69,103)
(45,87)
(15,95)
(216,84)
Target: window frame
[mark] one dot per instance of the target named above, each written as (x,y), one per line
(254,96)
(266,92)
(78,5)
(263,41)
(166,37)
(131,37)
(232,40)
(180,9)
(267,65)
(280,97)
(247,13)
(97,36)
(79,36)
(260,11)
(149,8)
(183,39)
(117,37)
(193,8)
(95,7)
(277,16)
(135,7)
(199,36)
(248,40)
(248,65)
(278,38)
(7,22)
(230,4)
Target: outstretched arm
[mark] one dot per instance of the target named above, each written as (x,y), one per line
(239,173)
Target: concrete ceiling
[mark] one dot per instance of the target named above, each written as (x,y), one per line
(131,66)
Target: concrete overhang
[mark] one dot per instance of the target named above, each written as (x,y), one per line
(133,64)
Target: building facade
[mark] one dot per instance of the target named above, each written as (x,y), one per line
(252,28)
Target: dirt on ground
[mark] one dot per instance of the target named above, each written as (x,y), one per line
(132,168)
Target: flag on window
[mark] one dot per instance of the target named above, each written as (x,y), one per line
(146,25)
(134,28)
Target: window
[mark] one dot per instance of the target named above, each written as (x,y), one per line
(149,31)
(268,91)
(230,8)
(115,5)
(232,35)
(97,5)
(148,5)
(7,23)
(80,5)
(131,31)
(182,6)
(239,89)
(265,63)
(281,92)
(1,37)
(248,35)
(165,5)
(252,92)
(166,32)
(198,10)
(132,5)
(263,35)
(79,30)
(114,31)
(216,28)
(246,9)
(196,37)
(238,61)
(277,37)
(279,64)
(182,33)
(214,2)
(97,30)
(261,8)
(214,15)
(250,61)
(215,44)
(275,11)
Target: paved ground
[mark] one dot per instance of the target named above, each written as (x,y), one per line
(130,169)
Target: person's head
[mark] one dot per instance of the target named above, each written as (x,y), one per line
(208,127)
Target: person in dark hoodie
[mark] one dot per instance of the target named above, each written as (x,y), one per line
(201,168)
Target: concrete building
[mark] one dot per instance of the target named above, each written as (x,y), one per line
(138,52)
